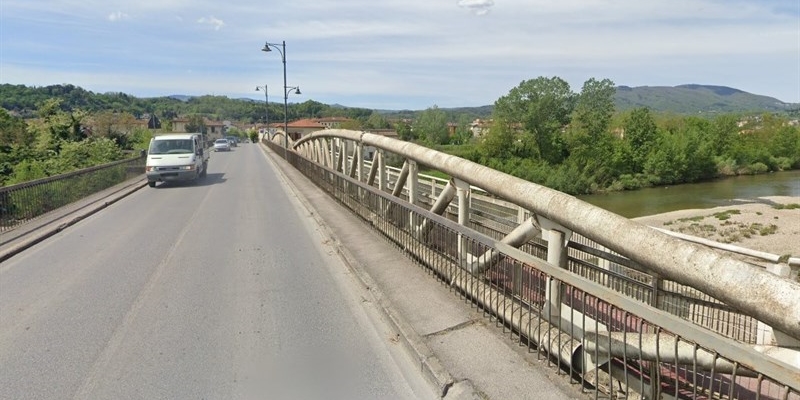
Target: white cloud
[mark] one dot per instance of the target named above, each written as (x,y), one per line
(479,7)
(215,22)
(438,59)
(117,16)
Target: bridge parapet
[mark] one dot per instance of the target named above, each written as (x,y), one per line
(523,253)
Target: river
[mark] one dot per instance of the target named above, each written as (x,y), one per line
(638,203)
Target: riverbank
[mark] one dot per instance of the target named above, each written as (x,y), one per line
(769,224)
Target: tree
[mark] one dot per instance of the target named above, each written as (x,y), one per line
(641,133)
(542,107)
(431,126)
(498,142)
(112,125)
(376,121)
(196,123)
(595,106)
(463,132)
(404,130)
(64,125)
(13,130)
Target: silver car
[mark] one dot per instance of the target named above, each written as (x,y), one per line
(222,145)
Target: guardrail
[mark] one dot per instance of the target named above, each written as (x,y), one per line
(617,304)
(26,201)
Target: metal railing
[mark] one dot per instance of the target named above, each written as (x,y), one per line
(560,276)
(26,201)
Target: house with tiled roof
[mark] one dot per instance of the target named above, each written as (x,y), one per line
(214,129)
(298,129)
(333,122)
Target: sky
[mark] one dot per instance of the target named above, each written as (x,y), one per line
(397,54)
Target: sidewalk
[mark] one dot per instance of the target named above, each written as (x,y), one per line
(460,352)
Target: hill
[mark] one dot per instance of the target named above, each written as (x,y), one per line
(684,99)
(693,99)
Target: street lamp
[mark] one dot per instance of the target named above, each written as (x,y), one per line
(282,49)
(266,106)
(287,90)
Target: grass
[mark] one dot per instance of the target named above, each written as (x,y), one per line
(729,232)
(790,206)
(723,215)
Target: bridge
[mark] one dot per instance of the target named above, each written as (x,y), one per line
(619,308)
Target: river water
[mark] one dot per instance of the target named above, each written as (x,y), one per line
(638,203)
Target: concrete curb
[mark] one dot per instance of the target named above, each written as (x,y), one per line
(430,364)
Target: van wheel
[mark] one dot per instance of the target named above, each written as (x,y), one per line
(151,183)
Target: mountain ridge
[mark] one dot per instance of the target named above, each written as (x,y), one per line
(697,98)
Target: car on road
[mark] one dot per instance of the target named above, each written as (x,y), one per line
(234,141)
(222,145)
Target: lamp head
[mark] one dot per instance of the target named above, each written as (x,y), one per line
(297,90)
(258,88)
(266,48)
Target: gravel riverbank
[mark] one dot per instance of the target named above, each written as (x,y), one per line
(768,224)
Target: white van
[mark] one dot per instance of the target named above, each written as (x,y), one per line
(176,157)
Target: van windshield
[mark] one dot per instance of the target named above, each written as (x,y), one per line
(171,146)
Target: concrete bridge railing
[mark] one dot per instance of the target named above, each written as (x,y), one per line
(589,289)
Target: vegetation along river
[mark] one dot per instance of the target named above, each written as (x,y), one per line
(657,200)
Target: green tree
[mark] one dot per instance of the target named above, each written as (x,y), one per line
(498,141)
(196,123)
(376,121)
(64,125)
(463,133)
(542,107)
(13,130)
(404,131)
(431,126)
(641,134)
(112,125)
(595,106)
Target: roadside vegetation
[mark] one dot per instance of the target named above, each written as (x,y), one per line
(541,131)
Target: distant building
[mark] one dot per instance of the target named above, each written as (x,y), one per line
(214,129)
(303,127)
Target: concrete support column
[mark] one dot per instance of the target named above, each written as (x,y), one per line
(464,204)
(557,239)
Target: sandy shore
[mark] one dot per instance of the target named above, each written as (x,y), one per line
(768,224)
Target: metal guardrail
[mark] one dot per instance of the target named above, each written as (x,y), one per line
(26,201)
(615,304)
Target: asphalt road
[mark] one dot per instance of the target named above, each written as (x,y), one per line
(217,290)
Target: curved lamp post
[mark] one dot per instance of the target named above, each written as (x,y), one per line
(282,49)
(266,106)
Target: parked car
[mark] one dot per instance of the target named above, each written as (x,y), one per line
(222,145)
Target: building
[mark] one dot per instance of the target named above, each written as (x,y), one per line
(298,129)
(214,129)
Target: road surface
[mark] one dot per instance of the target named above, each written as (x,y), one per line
(218,290)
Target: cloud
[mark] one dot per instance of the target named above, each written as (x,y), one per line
(479,7)
(215,22)
(117,16)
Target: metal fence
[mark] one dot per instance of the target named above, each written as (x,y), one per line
(26,201)
(611,323)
